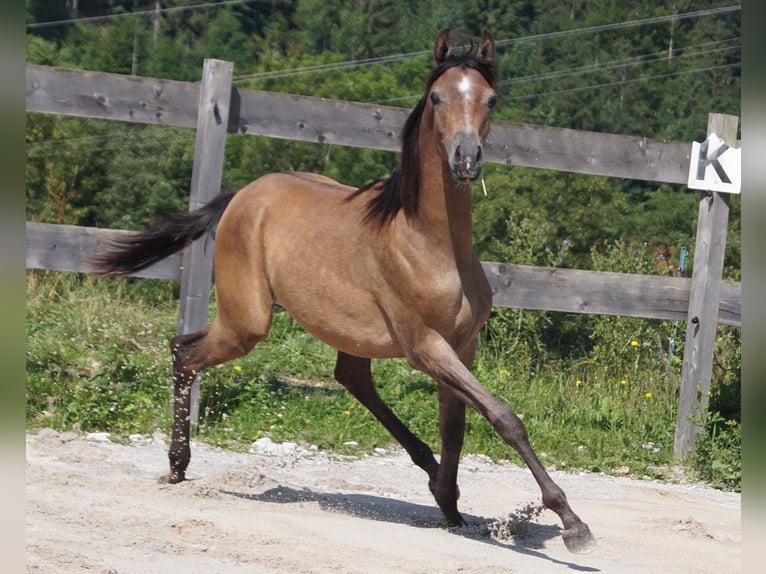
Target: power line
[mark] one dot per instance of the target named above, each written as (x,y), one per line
(624,62)
(139,13)
(350,64)
(689,51)
(623,82)
(621,25)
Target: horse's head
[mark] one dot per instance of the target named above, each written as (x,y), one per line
(461,97)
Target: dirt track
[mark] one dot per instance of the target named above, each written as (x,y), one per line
(97,507)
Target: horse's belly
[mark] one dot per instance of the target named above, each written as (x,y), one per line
(353,324)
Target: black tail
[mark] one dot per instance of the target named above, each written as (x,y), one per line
(139,250)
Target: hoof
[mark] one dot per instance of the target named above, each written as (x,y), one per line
(578,539)
(455,520)
(172,478)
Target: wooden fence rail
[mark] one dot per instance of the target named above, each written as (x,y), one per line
(215,107)
(303,118)
(67,248)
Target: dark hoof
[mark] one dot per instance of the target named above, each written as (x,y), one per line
(578,539)
(172,478)
(455,520)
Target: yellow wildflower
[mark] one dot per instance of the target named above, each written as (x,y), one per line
(591,361)
(237,368)
(578,382)
(648,395)
(634,343)
(623,382)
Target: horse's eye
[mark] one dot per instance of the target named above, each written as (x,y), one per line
(491,102)
(435,99)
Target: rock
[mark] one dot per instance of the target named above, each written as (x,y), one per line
(98,437)
(47,434)
(263,445)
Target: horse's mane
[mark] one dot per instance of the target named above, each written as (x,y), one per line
(401,190)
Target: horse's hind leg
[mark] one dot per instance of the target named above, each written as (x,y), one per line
(213,345)
(452,431)
(354,373)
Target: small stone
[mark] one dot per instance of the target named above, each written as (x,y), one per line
(47,434)
(263,445)
(98,437)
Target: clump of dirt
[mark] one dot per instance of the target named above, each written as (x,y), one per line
(516,524)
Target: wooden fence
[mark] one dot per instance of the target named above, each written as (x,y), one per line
(215,107)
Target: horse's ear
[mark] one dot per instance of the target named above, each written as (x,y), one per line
(486,50)
(442,48)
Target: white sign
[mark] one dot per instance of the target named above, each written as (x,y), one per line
(715,166)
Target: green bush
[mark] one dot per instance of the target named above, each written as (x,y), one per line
(718,454)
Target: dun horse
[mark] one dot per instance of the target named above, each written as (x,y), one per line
(388,270)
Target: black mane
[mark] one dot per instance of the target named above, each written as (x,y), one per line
(402,189)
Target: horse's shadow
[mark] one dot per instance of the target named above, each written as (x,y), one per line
(395,511)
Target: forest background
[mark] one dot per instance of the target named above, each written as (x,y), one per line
(650,69)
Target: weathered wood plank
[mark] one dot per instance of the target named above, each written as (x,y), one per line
(88,94)
(704,301)
(68,248)
(309,119)
(593,153)
(317,120)
(602,293)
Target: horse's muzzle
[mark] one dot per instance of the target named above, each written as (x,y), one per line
(467,159)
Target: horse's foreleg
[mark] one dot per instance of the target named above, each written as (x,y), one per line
(354,373)
(435,357)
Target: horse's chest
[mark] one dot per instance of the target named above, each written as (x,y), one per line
(457,304)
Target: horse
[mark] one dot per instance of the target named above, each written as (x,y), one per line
(385,270)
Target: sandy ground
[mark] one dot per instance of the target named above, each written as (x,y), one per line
(95,506)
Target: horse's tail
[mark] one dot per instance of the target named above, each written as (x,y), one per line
(141,249)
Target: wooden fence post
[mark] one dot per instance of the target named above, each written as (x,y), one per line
(207,171)
(702,317)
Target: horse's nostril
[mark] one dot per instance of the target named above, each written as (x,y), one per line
(458,153)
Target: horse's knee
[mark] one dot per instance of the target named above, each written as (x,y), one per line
(512,429)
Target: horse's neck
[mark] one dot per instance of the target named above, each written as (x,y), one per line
(444,208)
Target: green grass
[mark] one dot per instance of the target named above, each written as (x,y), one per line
(98,360)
